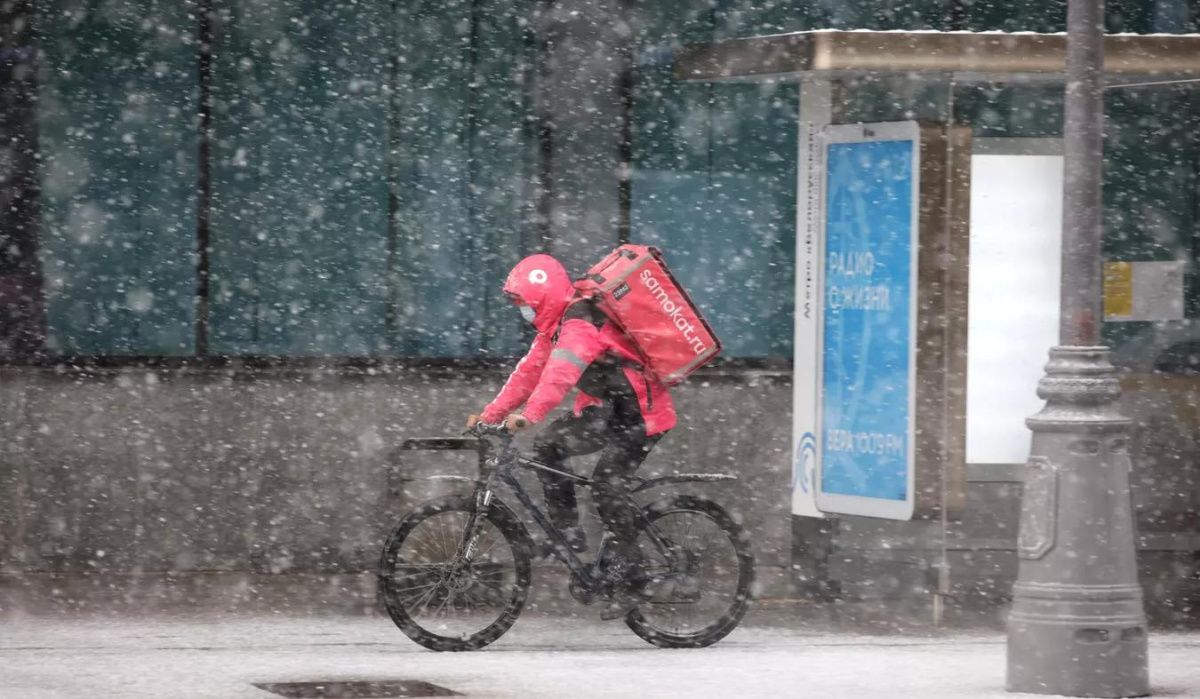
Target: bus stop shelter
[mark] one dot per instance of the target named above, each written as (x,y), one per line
(1010,196)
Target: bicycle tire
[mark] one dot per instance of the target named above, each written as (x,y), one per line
(391,582)
(731,617)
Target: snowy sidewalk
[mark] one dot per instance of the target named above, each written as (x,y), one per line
(541,657)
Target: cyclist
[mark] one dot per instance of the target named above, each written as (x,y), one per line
(620,411)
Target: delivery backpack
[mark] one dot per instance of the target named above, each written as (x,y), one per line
(634,289)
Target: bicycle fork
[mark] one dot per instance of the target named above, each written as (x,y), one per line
(483,501)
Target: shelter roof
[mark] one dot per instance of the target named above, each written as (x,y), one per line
(980,56)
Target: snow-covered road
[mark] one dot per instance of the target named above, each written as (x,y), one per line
(541,657)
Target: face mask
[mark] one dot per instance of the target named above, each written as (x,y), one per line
(527,313)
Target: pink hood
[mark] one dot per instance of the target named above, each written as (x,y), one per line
(541,282)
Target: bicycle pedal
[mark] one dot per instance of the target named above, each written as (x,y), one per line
(581,595)
(688,596)
(576,539)
(668,590)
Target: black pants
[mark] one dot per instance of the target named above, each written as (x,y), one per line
(617,431)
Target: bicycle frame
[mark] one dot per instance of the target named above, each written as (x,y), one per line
(501,466)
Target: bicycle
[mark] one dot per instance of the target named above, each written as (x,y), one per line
(455,573)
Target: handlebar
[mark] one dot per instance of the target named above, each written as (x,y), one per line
(483,429)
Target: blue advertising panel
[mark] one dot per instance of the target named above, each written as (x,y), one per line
(868,321)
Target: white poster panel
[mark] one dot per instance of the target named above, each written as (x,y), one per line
(1016,249)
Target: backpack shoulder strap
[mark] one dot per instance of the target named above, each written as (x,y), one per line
(584,309)
(581,308)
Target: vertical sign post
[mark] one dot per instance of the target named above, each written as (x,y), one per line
(815,111)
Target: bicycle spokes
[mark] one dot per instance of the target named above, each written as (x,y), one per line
(454,580)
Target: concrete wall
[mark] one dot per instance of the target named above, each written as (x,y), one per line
(132,476)
(240,489)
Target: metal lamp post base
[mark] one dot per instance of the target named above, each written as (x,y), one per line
(1077,626)
(1078,641)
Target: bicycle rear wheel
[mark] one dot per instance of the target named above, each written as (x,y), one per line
(699,599)
(440,599)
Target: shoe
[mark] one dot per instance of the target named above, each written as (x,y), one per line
(627,598)
(685,588)
(620,606)
(576,539)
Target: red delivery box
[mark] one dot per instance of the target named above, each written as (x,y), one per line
(634,288)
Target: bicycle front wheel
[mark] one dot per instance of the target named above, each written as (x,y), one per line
(440,597)
(699,593)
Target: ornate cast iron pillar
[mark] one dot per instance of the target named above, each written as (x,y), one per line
(1077,627)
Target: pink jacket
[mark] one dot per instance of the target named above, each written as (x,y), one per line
(553,365)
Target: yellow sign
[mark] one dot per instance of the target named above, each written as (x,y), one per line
(1118,289)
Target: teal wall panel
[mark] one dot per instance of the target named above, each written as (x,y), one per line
(466,165)
(1025,111)
(1014,16)
(116,105)
(376,165)
(737,19)
(671,119)
(505,157)
(1150,173)
(299,221)
(433,217)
